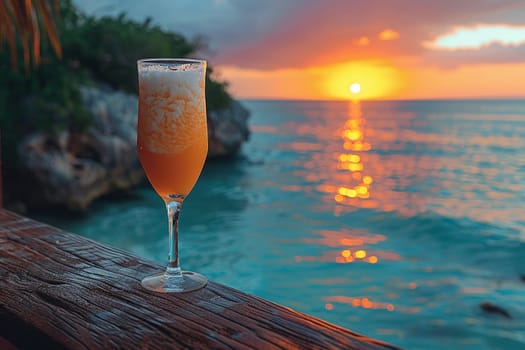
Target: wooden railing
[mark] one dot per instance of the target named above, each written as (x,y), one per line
(61,291)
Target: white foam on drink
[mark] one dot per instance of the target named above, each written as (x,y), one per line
(171,101)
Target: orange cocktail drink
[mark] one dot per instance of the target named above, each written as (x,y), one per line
(172,135)
(172,143)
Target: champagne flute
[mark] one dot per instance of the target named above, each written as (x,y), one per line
(172,143)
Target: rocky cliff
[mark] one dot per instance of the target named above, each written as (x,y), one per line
(72,169)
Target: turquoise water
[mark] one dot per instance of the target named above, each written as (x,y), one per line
(393,219)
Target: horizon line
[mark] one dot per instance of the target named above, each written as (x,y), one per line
(480,98)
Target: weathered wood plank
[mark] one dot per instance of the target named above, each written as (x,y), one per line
(60,290)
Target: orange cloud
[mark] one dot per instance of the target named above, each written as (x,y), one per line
(362,41)
(388,34)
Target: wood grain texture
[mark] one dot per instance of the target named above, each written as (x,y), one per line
(61,291)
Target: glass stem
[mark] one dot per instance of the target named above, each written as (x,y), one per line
(173,268)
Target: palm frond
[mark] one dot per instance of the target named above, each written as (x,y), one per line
(44,10)
(21,21)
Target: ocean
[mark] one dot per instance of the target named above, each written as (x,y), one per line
(393,219)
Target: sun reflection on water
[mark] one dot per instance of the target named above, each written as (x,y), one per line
(337,169)
(354,145)
(363,302)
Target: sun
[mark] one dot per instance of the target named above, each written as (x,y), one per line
(355,88)
(371,80)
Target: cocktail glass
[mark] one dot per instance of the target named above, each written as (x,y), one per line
(172,143)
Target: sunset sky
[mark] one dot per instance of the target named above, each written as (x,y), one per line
(315,49)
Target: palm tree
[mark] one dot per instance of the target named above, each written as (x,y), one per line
(22,20)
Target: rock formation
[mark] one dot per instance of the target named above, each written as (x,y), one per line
(72,169)
(227,130)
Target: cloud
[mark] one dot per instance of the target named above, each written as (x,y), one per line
(275,34)
(477,37)
(388,34)
(493,53)
(362,41)
(333,31)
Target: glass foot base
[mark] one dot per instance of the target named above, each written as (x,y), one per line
(166,283)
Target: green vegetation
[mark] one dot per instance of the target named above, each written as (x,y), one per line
(95,51)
